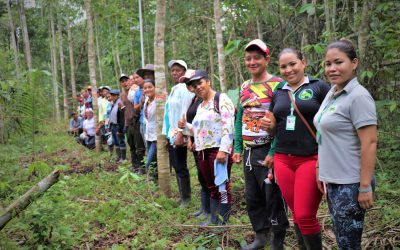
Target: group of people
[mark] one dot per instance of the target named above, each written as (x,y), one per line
(300,138)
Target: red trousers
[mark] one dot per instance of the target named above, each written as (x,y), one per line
(206,166)
(296,179)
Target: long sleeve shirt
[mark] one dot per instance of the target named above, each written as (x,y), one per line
(176,105)
(214,129)
(76,124)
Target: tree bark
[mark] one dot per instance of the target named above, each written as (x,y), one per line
(22,202)
(161,93)
(210,50)
(54,65)
(27,45)
(96,25)
(220,45)
(13,40)
(92,68)
(173,32)
(259,31)
(363,34)
(72,63)
(328,28)
(62,64)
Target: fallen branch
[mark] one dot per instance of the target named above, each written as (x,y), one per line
(22,202)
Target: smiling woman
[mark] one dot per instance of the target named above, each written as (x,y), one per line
(293,108)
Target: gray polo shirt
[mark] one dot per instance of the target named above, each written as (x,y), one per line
(337,121)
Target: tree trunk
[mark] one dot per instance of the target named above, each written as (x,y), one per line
(92,68)
(259,31)
(220,45)
(210,50)
(111,37)
(363,34)
(63,78)
(328,28)
(22,202)
(96,25)
(27,45)
(72,63)
(161,93)
(13,40)
(54,64)
(141,32)
(173,32)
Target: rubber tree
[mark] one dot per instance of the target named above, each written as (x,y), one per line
(161,93)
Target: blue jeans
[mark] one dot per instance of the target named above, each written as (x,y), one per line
(151,159)
(118,139)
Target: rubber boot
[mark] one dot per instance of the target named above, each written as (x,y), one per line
(204,210)
(111,149)
(299,237)
(186,193)
(224,212)
(313,241)
(277,240)
(118,151)
(214,207)
(260,241)
(123,154)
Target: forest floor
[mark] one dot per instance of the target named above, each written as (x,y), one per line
(98,204)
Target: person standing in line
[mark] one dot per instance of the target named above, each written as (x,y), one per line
(186,124)
(213,128)
(146,73)
(176,105)
(296,154)
(347,138)
(150,118)
(264,202)
(117,122)
(140,143)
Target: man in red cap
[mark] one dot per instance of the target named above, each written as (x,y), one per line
(265,205)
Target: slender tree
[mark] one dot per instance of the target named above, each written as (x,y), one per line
(96,25)
(71,62)
(25,35)
(53,51)
(62,65)
(161,93)
(12,38)
(92,67)
(220,45)
(210,50)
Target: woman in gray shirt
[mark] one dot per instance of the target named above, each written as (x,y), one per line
(347,137)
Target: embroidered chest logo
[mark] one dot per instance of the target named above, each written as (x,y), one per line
(306,94)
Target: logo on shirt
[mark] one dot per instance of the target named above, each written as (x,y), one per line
(306,94)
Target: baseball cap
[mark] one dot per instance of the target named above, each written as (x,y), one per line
(198,74)
(114,92)
(147,68)
(123,76)
(180,62)
(105,87)
(258,43)
(185,78)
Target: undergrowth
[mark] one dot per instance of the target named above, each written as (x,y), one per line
(99,205)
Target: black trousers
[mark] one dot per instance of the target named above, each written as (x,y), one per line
(178,160)
(265,204)
(136,144)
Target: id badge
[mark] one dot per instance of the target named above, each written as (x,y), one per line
(290,122)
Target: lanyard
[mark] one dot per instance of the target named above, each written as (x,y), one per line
(326,108)
(293,93)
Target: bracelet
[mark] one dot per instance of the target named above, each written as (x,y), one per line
(366,190)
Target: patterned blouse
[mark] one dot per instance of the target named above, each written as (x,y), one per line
(213,129)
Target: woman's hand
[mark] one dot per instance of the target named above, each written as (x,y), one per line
(269,161)
(237,157)
(366,200)
(182,122)
(190,145)
(221,157)
(320,184)
(267,122)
